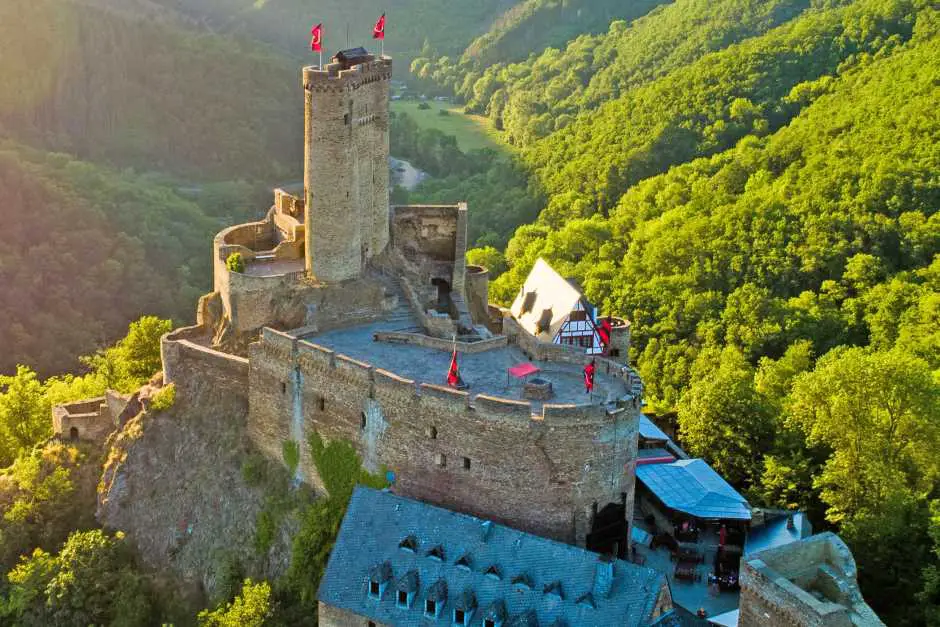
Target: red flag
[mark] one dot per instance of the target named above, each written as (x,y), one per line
(378,31)
(604,331)
(453,375)
(316,38)
(589,377)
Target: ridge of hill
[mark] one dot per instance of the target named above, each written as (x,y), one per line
(444,26)
(533,25)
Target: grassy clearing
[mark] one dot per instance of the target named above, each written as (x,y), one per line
(472,132)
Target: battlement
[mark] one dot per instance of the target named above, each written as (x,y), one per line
(338,77)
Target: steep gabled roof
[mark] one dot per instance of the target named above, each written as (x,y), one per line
(545,301)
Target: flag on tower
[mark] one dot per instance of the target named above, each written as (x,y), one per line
(316,38)
(378,32)
(589,377)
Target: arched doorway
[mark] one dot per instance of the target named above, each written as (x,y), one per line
(73,434)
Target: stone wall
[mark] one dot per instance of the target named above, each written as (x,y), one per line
(485,456)
(91,420)
(329,616)
(441,344)
(188,363)
(809,583)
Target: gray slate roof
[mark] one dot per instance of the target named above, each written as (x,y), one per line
(650,431)
(377,521)
(691,486)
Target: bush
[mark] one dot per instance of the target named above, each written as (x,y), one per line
(423,106)
(164,398)
(443,112)
(253,467)
(235,263)
(291,452)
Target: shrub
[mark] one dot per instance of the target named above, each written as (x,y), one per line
(164,398)
(424,106)
(253,467)
(235,263)
(291,452)
(443,112)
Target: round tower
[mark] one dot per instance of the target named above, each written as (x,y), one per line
(346,163)
(619,339)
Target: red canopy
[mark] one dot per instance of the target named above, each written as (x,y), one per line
(523,370)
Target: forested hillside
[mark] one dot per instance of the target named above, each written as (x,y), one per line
(765,214)
(533,25)
(87,249)
(148,94)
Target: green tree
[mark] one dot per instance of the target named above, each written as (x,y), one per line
(251,608)
(879,414)
(723,419)
(92,580)
(25,416)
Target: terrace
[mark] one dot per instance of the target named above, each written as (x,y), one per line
(697,525)
(484,372)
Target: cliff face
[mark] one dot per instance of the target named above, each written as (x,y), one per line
(173,482)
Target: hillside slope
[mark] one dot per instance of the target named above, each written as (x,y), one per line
(87,249)
(152,94)
(533,25)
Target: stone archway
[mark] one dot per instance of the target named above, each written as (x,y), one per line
(73,434)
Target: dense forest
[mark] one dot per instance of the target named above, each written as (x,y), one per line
(754,185)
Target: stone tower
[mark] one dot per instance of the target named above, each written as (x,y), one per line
(346,163)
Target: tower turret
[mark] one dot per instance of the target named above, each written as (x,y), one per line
(346,163)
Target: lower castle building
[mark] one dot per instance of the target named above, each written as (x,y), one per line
(339,315)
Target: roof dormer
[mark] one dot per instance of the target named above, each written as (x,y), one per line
(407,589)
(464,607)
(437,553)
(436,599)
(379,576)
(554,589)
(495,614)
(410,543)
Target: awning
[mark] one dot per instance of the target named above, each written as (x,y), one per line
(520,371)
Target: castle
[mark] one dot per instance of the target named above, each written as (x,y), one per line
(338,314)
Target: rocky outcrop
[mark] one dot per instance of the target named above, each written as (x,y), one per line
(173,483)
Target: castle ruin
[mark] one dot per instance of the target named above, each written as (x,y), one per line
(342,321)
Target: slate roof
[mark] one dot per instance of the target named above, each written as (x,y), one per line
(774,533)
(691,486)
(377,521)
(650,431)
(544,302)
